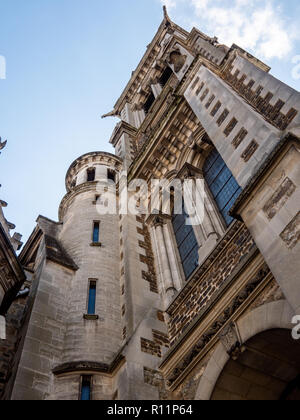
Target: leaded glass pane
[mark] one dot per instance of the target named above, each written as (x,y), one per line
(186,242)
(221,183)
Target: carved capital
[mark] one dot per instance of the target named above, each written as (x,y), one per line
(229,337)
(158,219)
(189,171)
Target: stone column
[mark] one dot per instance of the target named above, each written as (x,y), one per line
(172,257)
(198,222)
(206,229)
(127,114)
(139,116)
(165,259)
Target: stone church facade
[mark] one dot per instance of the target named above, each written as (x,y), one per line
(144,307)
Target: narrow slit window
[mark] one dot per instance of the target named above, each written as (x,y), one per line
(92,298)
(96,232)
(91,174)
(86,388)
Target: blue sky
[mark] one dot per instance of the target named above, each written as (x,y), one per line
(69,60)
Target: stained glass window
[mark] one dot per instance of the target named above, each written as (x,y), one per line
(221,183)
(187,243)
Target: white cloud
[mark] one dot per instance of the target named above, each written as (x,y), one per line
(256,25)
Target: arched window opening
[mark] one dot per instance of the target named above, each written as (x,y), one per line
(187,243)
(222,184)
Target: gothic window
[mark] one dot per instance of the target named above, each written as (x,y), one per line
(86,387)
(91,174)
(92,297)
(221,183)
(96,232)
(187,243)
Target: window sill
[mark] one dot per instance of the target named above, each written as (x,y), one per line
(91,317)
(96,244)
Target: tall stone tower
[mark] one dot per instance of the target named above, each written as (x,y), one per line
(75,324)
(93,242)
(132,306)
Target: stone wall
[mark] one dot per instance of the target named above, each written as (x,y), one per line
(273,99)
(227,256)
(271,212)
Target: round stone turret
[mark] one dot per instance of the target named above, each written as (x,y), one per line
(94,166)
(93,331)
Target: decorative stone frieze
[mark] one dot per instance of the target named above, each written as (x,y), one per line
(291,234)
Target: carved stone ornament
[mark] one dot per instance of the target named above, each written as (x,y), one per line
(230,340)
(189,171)
(177,60)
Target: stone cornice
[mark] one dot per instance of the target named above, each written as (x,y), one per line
(120,129)
(189,171)
(88,366)
(91,158)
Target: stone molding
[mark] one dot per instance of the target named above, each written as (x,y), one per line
(269,316)
(87,366)
(91,158)
(218,324)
